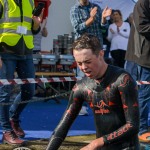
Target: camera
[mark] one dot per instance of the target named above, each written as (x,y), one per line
(37,10)
(47,3)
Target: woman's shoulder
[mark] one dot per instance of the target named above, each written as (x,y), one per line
(126,23)
(112,25)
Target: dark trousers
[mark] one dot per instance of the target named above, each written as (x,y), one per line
(119,57)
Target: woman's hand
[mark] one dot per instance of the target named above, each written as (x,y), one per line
(112,31)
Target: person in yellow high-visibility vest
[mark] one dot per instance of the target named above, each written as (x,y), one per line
(17,26)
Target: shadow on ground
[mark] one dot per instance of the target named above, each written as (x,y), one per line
(70,143)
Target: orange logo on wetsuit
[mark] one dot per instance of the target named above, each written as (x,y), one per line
(119,132)
(102,108)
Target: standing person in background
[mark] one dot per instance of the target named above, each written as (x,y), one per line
(130,65)
(87,17)
(118,34)
(17,26)
(112,95)
(37,38)
(139,52)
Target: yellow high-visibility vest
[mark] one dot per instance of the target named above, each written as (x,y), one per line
(14,16)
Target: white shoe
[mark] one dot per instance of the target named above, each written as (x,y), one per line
(83,111)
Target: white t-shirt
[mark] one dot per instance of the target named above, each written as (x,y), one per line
(37,41)
(119,40)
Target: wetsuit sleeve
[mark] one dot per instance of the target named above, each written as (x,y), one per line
(129,97)
(73,108)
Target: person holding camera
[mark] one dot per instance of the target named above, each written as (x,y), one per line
(17,26)
(37,38)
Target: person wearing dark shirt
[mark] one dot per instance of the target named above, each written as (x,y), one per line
(17,26)
(139,52)
(130,65)
(110,92)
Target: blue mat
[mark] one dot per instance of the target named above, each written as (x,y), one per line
(39,119)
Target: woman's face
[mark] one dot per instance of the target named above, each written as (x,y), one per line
(116,17)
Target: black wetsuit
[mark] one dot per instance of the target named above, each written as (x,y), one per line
(113,100)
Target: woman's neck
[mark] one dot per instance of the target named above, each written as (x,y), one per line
(118,23)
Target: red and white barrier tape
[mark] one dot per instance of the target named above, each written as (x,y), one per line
(37,80)
(142,82)
(44,80)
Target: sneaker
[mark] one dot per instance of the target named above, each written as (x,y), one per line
(145,137)
(17,129)
(9,137)
(83,111)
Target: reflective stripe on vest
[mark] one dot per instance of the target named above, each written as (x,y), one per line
(6,19)
(15,19)
(13,31)
(31,2)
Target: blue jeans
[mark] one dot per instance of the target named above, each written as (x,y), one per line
(144,98)
(24,67)
(131,67)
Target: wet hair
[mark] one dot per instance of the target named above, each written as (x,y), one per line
(87,41)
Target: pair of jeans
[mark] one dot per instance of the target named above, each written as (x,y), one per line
(144,98)
(131,67)
(24,67)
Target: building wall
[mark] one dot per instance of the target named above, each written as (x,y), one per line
(126,6)
(58,21)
